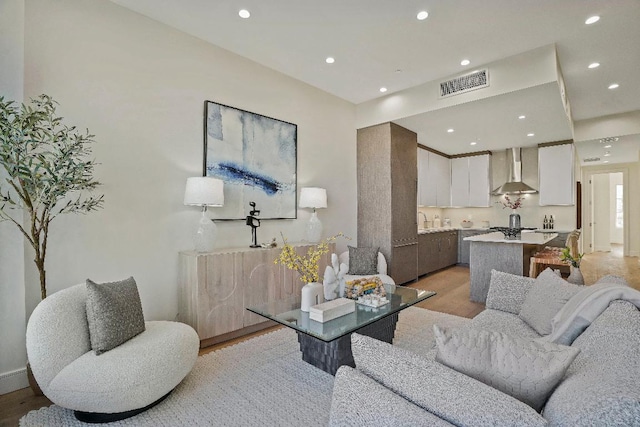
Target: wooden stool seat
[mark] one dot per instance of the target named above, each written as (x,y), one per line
(550,256)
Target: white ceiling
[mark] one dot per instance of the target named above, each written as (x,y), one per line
(371,39)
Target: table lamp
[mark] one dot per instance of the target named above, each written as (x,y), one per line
(204,191)
(315,198)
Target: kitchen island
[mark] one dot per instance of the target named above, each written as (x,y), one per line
(492,251)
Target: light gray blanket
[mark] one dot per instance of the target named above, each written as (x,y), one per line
(584,307)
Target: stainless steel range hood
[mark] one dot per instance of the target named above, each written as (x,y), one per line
(514,184)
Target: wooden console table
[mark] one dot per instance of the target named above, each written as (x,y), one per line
(215,288)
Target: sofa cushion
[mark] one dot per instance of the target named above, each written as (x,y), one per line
(363,261)
(114,313)
(601,386)
(357,400)
(452,396)
(525,369)
(496,320)
(545,298)
(507,291)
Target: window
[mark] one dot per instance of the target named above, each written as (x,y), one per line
(619,216)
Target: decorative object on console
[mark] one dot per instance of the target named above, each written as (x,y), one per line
(254,223)
(333,278)
(466,223)
(48,172)
(315,198)
(256,158)
(204,191)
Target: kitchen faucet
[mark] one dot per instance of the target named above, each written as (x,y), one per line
(425,219)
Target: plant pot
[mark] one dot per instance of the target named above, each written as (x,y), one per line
(312,294)
(576,276)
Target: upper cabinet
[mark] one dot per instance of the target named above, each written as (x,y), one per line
(434,179)
(555,175)
(470,182)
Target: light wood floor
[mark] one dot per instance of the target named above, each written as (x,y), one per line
(451,285)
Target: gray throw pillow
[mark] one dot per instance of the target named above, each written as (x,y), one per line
(545,298)
(114,313)
(507,291)
(525,369)
(363,261)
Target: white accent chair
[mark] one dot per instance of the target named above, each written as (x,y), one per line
(117,384)
(389,283)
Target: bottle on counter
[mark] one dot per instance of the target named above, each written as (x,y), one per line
(551,222)
(545,223)
(436,221)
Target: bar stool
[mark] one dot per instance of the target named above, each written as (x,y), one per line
(550,256)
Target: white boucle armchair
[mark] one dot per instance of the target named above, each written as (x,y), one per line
(114,385)
(382,271)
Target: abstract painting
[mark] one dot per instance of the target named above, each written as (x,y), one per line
(256,157)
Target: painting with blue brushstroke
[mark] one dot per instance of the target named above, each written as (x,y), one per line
(256,158)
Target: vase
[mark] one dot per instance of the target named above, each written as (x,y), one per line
(312,294)
(514,219)
(576,276)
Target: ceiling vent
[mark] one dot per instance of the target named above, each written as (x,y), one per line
(466,83)
(591,159)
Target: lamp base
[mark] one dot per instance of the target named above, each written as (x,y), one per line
(314,229)
(205,238)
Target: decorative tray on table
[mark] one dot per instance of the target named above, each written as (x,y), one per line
(511,233)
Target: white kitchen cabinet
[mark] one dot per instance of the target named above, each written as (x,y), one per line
(480,181)
(441,167)
(434,179)
(426,192)
(470,185)
(460,181)
(555,175)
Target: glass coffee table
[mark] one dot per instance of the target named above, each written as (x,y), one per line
(328,345)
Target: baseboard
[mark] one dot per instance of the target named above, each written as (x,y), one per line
(13,380)
(634,253)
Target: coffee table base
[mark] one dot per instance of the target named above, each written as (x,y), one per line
(329,356)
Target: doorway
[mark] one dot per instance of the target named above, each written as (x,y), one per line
(605,225)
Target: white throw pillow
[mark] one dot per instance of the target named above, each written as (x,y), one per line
(544,300)
(525,369)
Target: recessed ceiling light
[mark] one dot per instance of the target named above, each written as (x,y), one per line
(449,130)
(531,134)
(607,154)
(329,60)
(606,161)
(398,71)
(607,146)
(522,117)
(473,143)
(383,89)
(614,86)
(594,65)
(244,13)
(422,15)
(592,20)
(465,62)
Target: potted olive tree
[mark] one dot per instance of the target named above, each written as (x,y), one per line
(49,172)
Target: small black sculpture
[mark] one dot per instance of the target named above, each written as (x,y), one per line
(254,223)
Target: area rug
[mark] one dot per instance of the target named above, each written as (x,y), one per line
(259,382)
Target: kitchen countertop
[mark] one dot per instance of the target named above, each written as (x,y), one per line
(527,238)
(442,229)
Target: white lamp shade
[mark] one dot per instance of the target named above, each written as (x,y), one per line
(204,191)
(313,197)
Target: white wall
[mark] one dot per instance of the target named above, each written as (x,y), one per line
(615,233)
(140,86)
(12,297)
